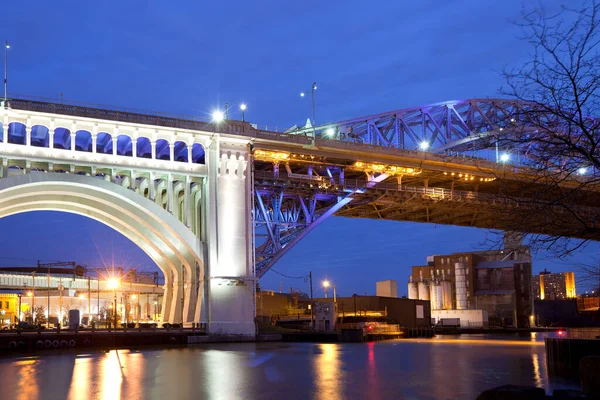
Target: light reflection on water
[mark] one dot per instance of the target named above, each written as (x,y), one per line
(442,368)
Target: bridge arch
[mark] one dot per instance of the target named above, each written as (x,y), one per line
(162,150)
(168,242)
(62,138)
(40,136)
(83,141)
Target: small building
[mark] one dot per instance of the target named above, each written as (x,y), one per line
(325,316)
(411,314)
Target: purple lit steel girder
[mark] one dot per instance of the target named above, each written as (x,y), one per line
(288,216)
(457,126)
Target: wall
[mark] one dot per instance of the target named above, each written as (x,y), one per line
(468,318)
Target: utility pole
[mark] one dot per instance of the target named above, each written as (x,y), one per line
(98,294)
(182,291)
(6,47)
(33,297)
(89,302)
(48,310)
(312,304)
(60,301)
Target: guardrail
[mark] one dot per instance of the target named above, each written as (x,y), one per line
(361,186)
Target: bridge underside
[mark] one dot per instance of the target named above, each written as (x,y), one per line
(296,190)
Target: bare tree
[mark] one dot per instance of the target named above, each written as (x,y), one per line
(589,276)
(556,132)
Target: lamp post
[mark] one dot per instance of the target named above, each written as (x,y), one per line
(326,285)
(114,284)
(243,108)
(6,47)
(313,90)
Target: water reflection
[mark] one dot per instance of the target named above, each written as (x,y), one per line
(447,368)
(27,388)
(80,382)
(326,367)
(110,376)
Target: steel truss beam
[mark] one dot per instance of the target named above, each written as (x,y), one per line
(288,217)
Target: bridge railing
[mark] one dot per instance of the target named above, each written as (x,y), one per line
(360,186)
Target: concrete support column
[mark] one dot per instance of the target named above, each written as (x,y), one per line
(51,138)
(151,194)
(28,136)
(153,146)
(170,193)
(134,147)
(73,136)
(133,180)
(114,140)
(189,151)
(94,141)
(172,151)
(231,284)
(187,202)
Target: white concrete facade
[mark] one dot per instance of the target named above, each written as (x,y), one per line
(193,219)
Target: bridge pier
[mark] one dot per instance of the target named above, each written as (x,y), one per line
(229,283)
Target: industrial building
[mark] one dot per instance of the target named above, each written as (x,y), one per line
(554,286)
(479,287)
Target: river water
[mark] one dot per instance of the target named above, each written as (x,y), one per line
(446,367)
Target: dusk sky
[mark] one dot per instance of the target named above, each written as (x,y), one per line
(190,57)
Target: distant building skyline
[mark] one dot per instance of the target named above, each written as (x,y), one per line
(554,285)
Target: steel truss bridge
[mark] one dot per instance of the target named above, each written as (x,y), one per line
(435,163)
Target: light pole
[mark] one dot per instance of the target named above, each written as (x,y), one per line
(6,47)
(326,285)
(243,108)
(313,90)
(114,284)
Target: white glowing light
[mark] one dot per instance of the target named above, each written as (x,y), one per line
(243,107)
(424,145)
(217,116)
(504,157)
(330,132)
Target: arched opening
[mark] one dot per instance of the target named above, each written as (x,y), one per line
(39,136)
(180,152)
(143,148)
(104,143)
(16,133)
(170,244)
(124,146)
(83,141)
(62,138)
(198,155)
(1,132)
(162,150)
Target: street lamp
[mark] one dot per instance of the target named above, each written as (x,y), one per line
(424,145)
(217,116)
(326,285)
(504,157)
(243,108)
(114,284)
(6,47)
(313,90)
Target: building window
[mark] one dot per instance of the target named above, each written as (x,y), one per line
(6,305)
(442,261)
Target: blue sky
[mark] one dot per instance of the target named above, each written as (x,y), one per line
(189,57)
